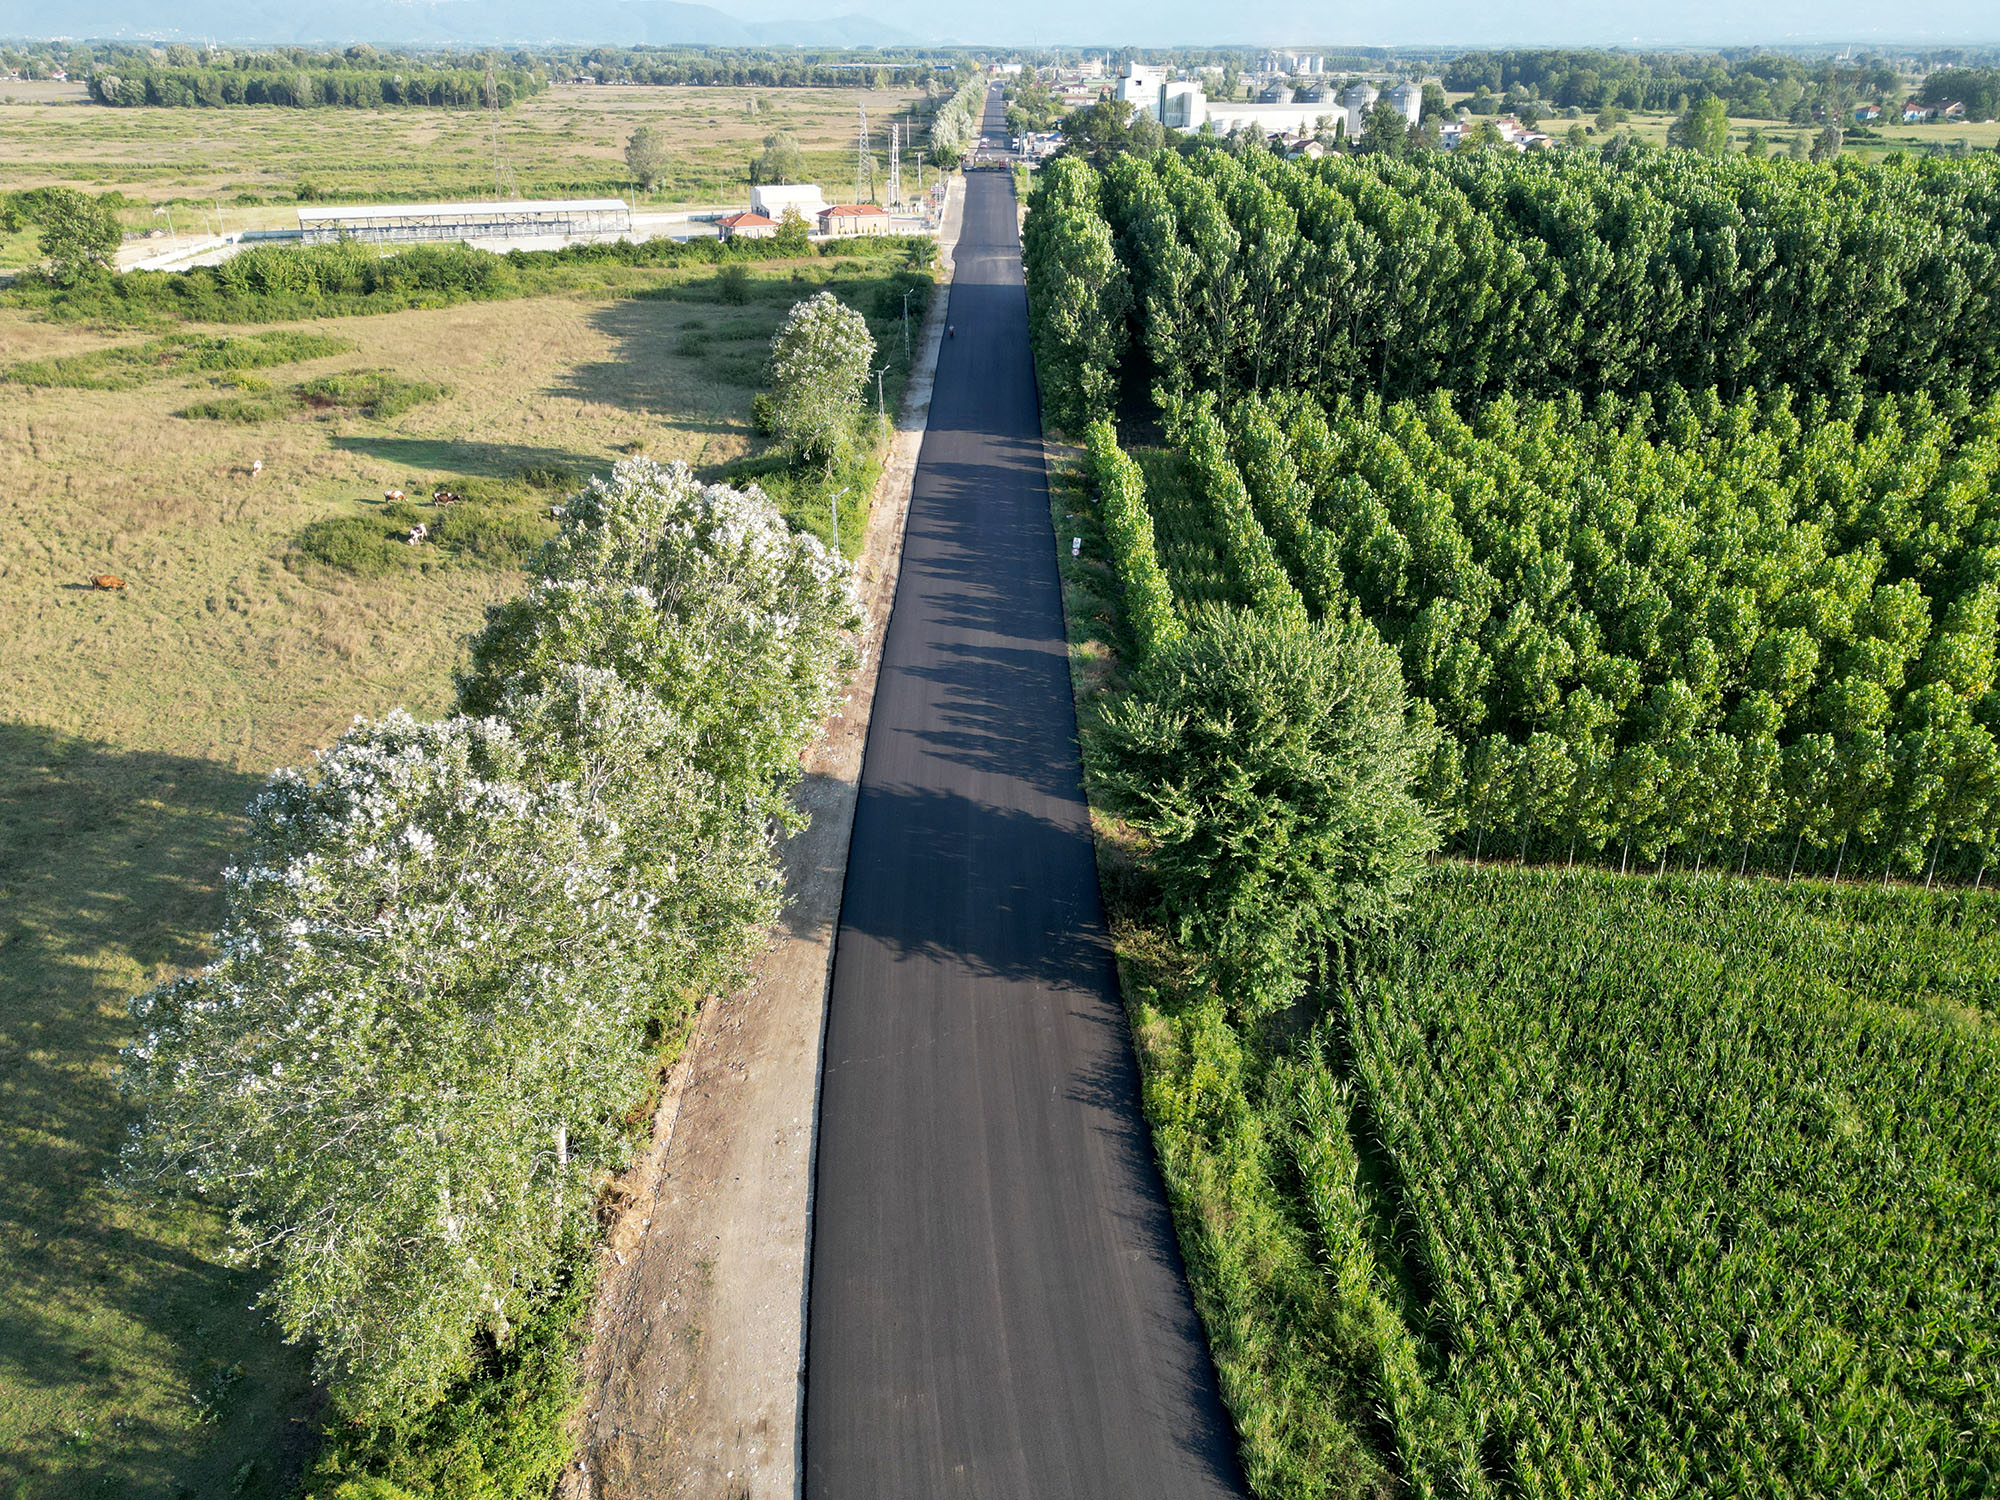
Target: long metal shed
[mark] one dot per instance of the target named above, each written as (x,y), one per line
(408,223)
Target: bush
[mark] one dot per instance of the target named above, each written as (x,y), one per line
(242,409)
(374,393)
(495,524)
(820,357)
(127,365)
(1269,767)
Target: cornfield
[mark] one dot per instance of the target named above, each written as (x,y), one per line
(1699,1180)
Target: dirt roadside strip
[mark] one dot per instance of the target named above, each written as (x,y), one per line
(694,1373)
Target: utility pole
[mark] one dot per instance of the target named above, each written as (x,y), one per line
(895,164)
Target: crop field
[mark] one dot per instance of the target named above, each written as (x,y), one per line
(1604,1187)
(568,141)
(261,613)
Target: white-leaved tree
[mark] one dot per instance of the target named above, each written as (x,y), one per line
(450,945)
(819,364)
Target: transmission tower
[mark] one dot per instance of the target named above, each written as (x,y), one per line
(503,176)
(864,159)
(895,164)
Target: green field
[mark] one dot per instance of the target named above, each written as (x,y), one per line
(263,612)
(566,142)
(1595,1186)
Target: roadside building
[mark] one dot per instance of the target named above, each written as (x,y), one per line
(748,225)
(771,199)
(854,218)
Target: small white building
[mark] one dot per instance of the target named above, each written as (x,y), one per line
(772,199)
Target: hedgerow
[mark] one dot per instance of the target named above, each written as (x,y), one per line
(274,283)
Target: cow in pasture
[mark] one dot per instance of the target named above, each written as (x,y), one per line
(107,581)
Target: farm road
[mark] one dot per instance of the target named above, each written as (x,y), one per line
(997,1306)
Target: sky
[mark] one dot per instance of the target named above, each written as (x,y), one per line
(1447,22)
(1157,23)
(1433,23)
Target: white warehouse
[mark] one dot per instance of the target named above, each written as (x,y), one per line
(411,223)
(1182,105)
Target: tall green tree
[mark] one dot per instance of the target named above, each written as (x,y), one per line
(1703,129)
(783,160)
(1270,770)
(820,358)
(79,236)
(648,155)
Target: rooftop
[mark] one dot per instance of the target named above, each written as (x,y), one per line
(461,210)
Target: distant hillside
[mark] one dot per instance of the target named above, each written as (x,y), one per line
(407,23)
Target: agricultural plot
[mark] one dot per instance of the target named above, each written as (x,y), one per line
(1698,1183)
(1595,1187)
(263,611)
(242,168)
(1557,1182)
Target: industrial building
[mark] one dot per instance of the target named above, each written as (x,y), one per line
(412,223)
(1182,104)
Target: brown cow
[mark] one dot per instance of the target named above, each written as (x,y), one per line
(107,581)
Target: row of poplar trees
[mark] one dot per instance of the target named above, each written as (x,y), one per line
(1451,398)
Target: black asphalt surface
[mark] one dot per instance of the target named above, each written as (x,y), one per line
(997,1306)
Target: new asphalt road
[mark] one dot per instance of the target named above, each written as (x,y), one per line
(997,1306)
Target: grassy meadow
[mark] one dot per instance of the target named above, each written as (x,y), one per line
(566,142)
(262,613)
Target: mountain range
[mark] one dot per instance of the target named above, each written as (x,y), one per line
(418,23)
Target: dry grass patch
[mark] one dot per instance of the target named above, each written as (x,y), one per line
(133,728)
(567,141)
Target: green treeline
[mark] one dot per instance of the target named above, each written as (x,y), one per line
(1682,555)
(269,283)
(1771,86)
(456,952)
(1489,273)
(1733,629)
(310,86)
(756,67)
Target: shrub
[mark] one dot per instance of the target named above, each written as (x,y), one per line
(127,365)
(80,234)
(374,393)
(243,409)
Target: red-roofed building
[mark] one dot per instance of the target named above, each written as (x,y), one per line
(749,225)
(854,218)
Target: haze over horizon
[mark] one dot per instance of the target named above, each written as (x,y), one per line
(1143,23)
